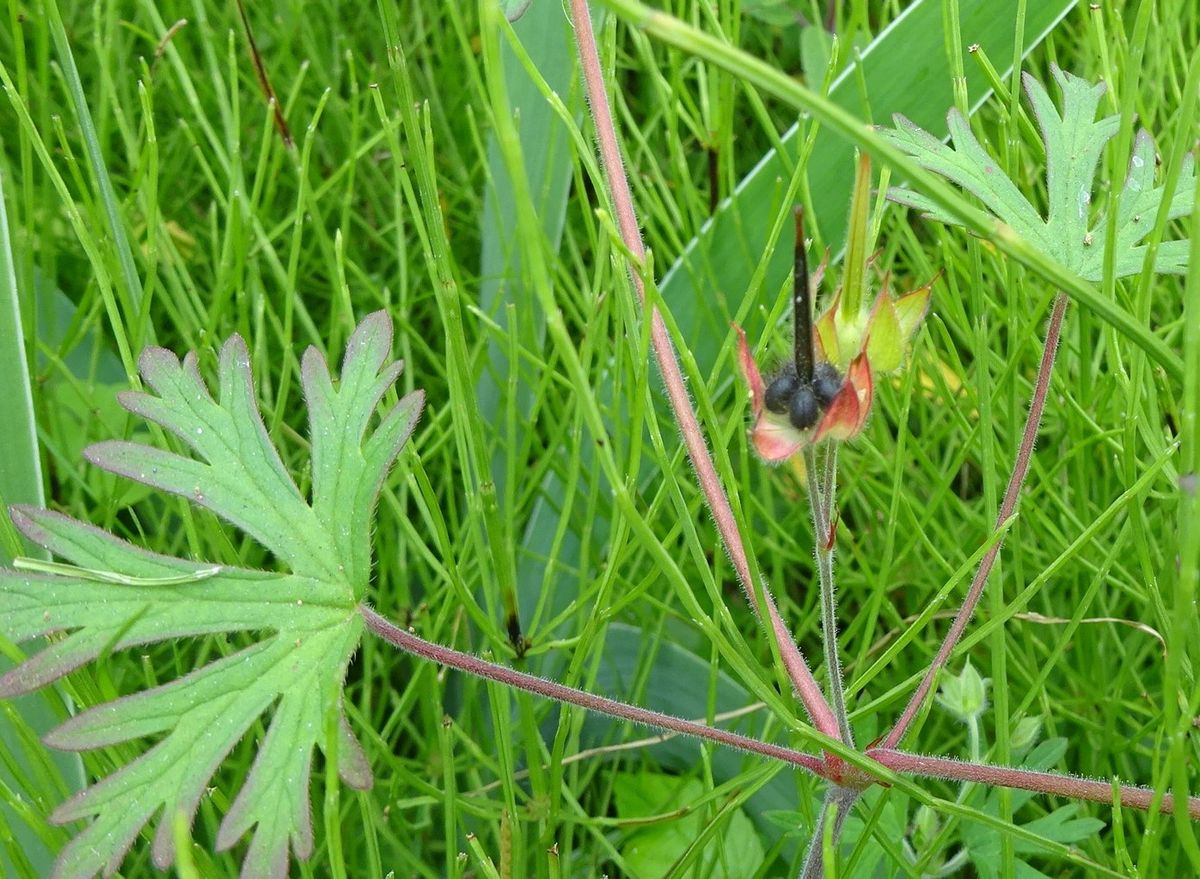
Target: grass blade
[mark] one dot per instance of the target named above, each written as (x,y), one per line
(21,482)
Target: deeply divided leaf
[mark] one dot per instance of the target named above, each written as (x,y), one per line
(1074,140)
(115,595)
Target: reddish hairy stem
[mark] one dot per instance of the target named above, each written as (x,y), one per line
(898,761)
(1027,779)
(1015,482)
(802,678)
(447,656)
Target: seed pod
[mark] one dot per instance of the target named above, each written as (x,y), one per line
(804,410)
(826,383)
(781,390)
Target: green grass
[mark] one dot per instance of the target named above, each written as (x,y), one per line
(150,200)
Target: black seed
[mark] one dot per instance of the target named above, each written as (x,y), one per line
(804,410)
(826,383)
(780,391)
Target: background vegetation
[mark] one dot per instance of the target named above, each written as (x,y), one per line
(152,198)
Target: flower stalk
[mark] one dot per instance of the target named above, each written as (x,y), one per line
(823,470)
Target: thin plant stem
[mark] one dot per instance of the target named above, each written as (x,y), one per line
(465,662)
(898,761)
(828,487)
(801,675)
(821,486)
(1026,779)
(1007,506)
(618,747)
(838,801)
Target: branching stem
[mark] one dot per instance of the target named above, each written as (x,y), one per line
(838,801)
(899,761)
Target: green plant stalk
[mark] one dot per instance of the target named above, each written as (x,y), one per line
(760,74)
(331,811)
(1118,505)
(303,205)
(1182,636)
(854,278)
(83,230)
(999,651)
(1141,403)
(838,802)
(108,196)
(20,464)
(467,599)
(822,474)
(479,483)
(486,867)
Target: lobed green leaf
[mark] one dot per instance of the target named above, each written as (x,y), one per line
(114,595)
(1074,141)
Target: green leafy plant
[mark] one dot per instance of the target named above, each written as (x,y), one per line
(656,847)
(1074,140)
(113,595)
